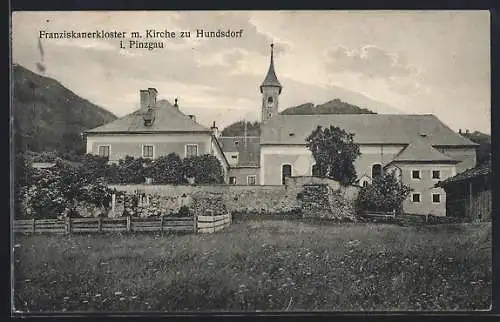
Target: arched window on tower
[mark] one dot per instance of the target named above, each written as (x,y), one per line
(376,170)
(270,100)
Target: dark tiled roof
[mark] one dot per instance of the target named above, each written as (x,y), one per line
(248,149)
(421,151)
(368,129)
(481,170)
(167,118)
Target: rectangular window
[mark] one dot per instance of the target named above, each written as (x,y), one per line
(103,151)
(232,180)
(251,180)
(415,197)
(436,198)
(436,174)
(147,151)
(415,174)
(191,150)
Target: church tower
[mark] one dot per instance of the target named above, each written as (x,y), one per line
(270,89)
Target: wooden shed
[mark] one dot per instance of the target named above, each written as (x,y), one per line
(468,194)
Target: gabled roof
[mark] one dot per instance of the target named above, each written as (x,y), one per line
(271,78)
(368,129)
(248,149)
(167,118)
(478,171)
(421,151)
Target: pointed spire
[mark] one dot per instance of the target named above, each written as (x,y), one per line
(271,79)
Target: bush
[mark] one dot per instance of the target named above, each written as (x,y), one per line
(385,193)
(51,191)
(129,170)
(168,170)
(204,169)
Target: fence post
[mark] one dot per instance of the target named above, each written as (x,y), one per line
(113,203)
(33,226)
(161,225)
(99,223)
(68,225)
(128,224)
(195,224)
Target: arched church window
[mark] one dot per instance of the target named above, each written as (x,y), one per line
(376,170)
(270,100)
(286,172)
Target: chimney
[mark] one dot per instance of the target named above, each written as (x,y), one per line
(215,130)
(459,131)
(144,94)
(152,96)
(175,104)
(191,116)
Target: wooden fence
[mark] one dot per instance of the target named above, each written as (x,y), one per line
(211,224)
(201,224)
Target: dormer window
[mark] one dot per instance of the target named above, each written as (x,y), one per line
(291,134)
(236,142)
(149,117)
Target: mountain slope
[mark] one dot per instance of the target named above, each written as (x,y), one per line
(48,116)
(484,149)
(335,106)
(238,129)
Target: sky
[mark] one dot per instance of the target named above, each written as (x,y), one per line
(412,62)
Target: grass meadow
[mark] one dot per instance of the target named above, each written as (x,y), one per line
(259,265)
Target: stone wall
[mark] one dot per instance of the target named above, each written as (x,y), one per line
(268,199)
(218,199)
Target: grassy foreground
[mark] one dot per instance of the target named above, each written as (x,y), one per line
(259,265)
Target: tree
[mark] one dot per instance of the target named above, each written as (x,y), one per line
(168,169)
(203,168)
(22,178)
(385,193)
(335,152)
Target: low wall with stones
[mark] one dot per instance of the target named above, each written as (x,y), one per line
(168,199)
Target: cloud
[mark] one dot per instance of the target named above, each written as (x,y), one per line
(369,61)
(373,63)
